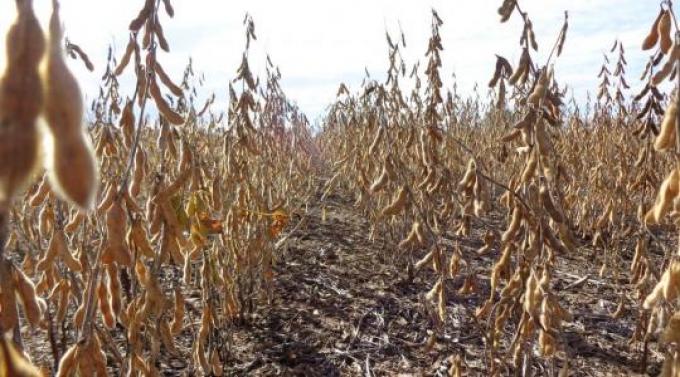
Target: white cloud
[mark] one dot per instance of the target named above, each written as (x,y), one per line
(319,44)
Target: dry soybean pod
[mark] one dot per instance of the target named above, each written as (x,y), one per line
(70,161)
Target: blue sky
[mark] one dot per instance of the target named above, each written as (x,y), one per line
(318,44)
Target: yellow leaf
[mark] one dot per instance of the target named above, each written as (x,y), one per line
(279,221)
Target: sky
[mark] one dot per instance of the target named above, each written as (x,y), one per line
(319,44)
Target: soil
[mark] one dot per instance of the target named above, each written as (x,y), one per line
(346,305)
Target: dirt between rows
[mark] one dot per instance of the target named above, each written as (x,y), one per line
(344,305)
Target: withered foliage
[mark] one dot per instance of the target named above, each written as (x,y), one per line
(151,227)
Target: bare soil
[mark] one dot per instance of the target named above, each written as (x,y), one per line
(345,305)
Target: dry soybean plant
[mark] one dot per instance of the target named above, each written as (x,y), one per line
(114,235)
(428,181)
(422,175)
(151,231)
